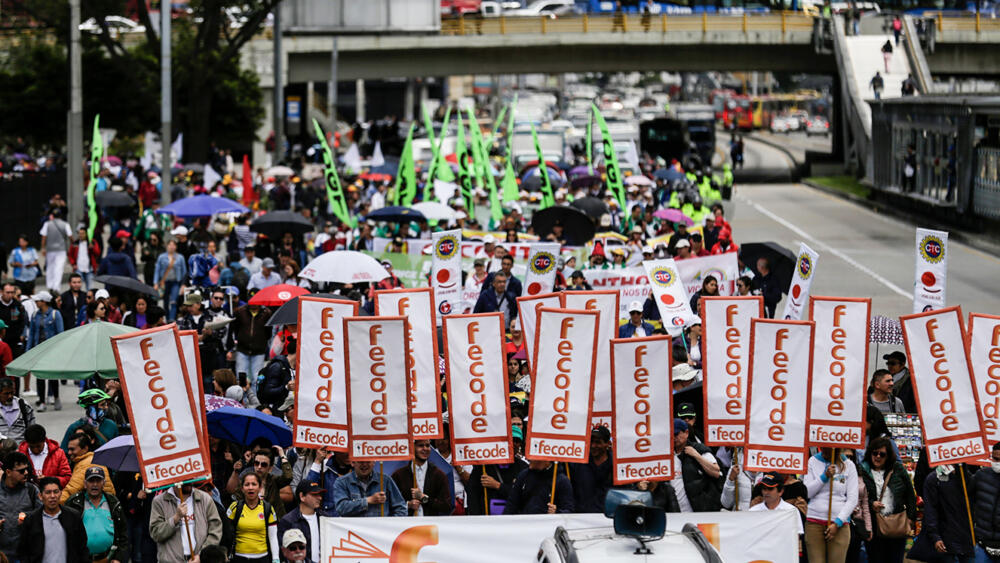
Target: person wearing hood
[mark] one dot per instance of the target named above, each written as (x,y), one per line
(117,262)
(598,259)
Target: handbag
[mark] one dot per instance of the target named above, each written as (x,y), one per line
(893,525)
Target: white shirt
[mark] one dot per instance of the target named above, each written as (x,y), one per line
(188,521)
(420,476)
(258,280)
(313,521)
(82,258)
(678,482)
(782,505)
(252,266)
(38,461)
(459,487)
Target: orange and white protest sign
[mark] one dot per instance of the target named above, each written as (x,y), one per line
(192,359)
(942,383)
(562,385)
(153,375)
(378,390)
(984,353)
(320,377)
(606,303)
(417,305)
(527,315)
(477,389)
(725,323)
(642,426)
(780,374)
(839,373)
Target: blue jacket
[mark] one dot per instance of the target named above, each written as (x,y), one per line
(198,267)
(117,264)
(627,330)
(180,268)
(327,481)
(44,326)
(513,284)
(350,496)
(295,520)
(487,303)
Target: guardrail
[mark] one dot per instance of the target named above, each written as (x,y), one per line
(972,22)
(628,24)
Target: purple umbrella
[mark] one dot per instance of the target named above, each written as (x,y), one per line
(673,215)
(20,156)
(113,160)
(885,330)
(215,402)
(578,171)
(585,181)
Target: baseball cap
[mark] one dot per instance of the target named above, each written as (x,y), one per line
(181,231)
(634,306)
(267,263)
(601,432)
(897,355)
(685,409)
(489,239)
(192,298)
(122,233)
(292,535)
(772,480)
(101,294)
(680,426)
(94,472)
(682,372)
(479,262)
(3,325)
(683,243)
(44,296)
(308,487)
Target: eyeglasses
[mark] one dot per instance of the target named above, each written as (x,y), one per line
(296,547)
(22,471)
(892,363)
(217,298)
(879,454)
(262,464)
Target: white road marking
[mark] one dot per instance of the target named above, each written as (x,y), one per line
(820,245)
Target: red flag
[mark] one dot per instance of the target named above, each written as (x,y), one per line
(249,196)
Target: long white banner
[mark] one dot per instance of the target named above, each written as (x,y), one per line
(802,278)
(740,537)
(931,270)
(320,376)
(477,389)
(192,359)
(446,272)
(643,409)
(562,385)
(780,379)
(541,274)
(606,303)
(839,372)
(984,353)
(942,383)
(153,375)
(417,305)
(527,315)
(378,389)
(669,293)
(726,366)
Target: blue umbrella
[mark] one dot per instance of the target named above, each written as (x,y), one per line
(390,467)
(243,426)
(668,174)
(390,167)
(201,206)
(118,454)
(396,214)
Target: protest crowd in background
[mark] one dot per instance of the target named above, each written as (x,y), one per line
(262,500)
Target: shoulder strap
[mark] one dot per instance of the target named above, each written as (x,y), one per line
(884,483)
(24,410)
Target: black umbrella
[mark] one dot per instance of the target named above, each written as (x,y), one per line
(128,284)
(594,207)
(288,314)
(396,214)
(578,228)
(109,198)
(781,259)
(585,181)
(277,223)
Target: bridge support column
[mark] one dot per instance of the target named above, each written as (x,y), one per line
(424,94)
(359,100)
(408,99)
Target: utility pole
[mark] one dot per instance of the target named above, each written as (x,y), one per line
(74,125)
(331,98)
(279,90)
(166,101)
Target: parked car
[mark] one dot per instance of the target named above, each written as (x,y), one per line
(117,25)
(784,124)
(817,125)
(551,8)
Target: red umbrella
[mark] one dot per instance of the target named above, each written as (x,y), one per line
(277,295)
(376,177)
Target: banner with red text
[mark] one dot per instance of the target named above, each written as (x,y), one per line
(469,248)
(606,303)
(477,380)
(778,400)
(378,389)
(417,305)
(153,376)
(527,315)
(725,325)
(562,385)
(947,399)
(802,277)
(541,275)
(931,271)
(669,294)
(446,272)
(984,353)
(192,359)
(642,426)
(839,372)
(320,376)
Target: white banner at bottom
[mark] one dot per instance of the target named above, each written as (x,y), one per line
(740,537)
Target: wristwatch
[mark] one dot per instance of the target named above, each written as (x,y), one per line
(424,499)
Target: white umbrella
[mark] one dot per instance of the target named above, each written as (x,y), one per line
(344,266)
(434,210)
(279,171)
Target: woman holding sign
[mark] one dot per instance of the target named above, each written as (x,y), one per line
(255,523)
(833,494)
(891,493)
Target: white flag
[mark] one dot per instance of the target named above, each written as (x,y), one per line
(352,159)
(802,277)
(446,272)
(669,293)
(541,275)
(211,177)
(177,149)
(932,270)
(377,158)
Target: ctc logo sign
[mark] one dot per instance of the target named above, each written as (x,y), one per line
(662,277)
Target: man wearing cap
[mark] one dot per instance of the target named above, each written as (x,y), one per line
(304,518)
(116,262)
(56,236)
(424,486)
(495,479)
(686,412)
(592,480)
(902,384)
(266,277)
(682,250)
(46,323)
(771,488)
(635,327)
(184,246)
(295,547)
(103,518)
(696,473)
(250,260)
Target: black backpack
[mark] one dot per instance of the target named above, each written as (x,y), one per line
(229,525)
(272,382)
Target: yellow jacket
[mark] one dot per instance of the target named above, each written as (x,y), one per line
(77,482)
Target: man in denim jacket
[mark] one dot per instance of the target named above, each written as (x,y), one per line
(358,494)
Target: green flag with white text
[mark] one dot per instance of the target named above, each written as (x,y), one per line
(334,191)
(464,174)
(548,198)
(614,180)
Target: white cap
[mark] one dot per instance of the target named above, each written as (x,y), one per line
(42,296)
(647,249)
(292,535)
(683,243)
(634,306)
(101,294)
(489,239)
(605,220)
(181,231)
(683,372)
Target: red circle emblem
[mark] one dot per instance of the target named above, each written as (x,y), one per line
(667,299)
(534,287)
(443,276)
(796,291)
(928,279)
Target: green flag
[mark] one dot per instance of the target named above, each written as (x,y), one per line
(614,171)
(548,199)
(510,129)
(428,125)
(498,123)
(464,174)
(509,184)
(334,192)
(96,156)
(439,167)
(590,140)
(485,171)
(405,188)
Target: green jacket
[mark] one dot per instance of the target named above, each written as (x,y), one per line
(903,495)
(119,547)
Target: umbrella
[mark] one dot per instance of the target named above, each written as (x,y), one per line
(277,223)
(668,174)
(578,171)
(201,206)
(243,426)
(288,314)
(128,284)
(279,171)
(194,167)
(113,160)
(344,266)
(396,214)
(673,216)
(533,183)
(215,402)
(638,180)
(885,330)
(118,454)
(89,347)
(276,295)
(594,207)
(577,226)
(782,261)
(585,181)
(435,211)
(110,198)
(376,177)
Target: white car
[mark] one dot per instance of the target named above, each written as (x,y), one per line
(784,124)
(603,545)
(116,25)
(550,8)
(817,125)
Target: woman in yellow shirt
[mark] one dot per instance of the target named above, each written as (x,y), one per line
(255,523)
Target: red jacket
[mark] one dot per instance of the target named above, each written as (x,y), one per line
(55,465)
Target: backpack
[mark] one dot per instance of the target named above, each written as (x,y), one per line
(234,524)
(273,380)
